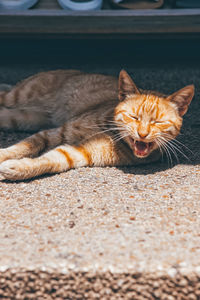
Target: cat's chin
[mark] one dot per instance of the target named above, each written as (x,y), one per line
(141,149)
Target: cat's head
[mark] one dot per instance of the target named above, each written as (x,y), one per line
(147,120)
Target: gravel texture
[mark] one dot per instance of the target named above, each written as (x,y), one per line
(107,233)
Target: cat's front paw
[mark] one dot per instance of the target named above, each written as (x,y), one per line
(13,169)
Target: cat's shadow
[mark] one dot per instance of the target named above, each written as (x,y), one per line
(146,169)
(38,178)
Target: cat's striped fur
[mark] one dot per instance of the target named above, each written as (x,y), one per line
(88,120)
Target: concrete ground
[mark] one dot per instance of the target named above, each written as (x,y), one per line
(106,233)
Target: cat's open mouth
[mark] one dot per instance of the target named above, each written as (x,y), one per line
(140,148)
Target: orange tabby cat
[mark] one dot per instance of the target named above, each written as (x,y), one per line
(96,120)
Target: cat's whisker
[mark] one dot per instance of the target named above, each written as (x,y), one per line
(165,148)
(168,156)
(117,139)
(112,122)
(169,147)
(99,132)
(108,123)
(111,129)
(173,151)
(177,141)
(115,123)
(181,152)
(178,145)
(122,134)
(160,144)
(160,148)
(170,161)
(175,147)
(117,135)
(105,124)
(121,127)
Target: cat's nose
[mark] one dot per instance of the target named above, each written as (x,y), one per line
(143,134)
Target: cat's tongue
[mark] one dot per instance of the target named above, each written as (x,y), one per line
(141,148)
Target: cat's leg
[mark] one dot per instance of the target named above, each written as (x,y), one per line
(35,144)
(98,151)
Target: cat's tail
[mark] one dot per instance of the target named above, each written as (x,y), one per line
(5,88)
(4,91)
(16,119)
(8,96)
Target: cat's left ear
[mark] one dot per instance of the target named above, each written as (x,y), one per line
(182,98)
(126,85)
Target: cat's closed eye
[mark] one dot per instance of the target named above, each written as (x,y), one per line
(134,117)
(161,122)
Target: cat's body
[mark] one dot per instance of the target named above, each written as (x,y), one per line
(89,126)
(51,98)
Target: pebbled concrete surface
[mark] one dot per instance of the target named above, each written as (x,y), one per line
(106,233)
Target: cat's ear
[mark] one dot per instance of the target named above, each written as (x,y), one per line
(126,85)
(182,98)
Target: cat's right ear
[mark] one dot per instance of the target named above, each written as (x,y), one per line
(182,98)
(126,86)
